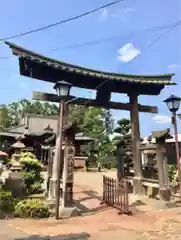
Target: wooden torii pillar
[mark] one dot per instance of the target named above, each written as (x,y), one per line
(136,155)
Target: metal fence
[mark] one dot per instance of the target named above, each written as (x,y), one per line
(115,194)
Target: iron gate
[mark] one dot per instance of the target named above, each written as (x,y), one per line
(115,194)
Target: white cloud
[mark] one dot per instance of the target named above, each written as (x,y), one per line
(104,14)
(162,119)
(128,52)
(172,66)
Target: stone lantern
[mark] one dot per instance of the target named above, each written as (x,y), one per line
(18,146)
(148,152)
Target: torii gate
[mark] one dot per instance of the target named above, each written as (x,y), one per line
(40,67)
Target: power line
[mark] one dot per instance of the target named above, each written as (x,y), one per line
(62,21)
(106,39)
(8,57)
(90,93)
(149,46)
(159,37)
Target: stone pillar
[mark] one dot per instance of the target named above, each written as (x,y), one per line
(67,207)
(53,180)
(162,166)
(58,152)
(137,180)
(68,176)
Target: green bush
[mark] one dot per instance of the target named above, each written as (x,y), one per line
(7,202)
(34,188)
(172,169)
(33,208)
(32,172)
(4,160)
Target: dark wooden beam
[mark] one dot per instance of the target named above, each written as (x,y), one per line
(135,127)
(83,101)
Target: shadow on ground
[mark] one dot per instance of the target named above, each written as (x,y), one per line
(79,236)
(89,195)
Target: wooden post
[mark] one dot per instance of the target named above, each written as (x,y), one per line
(137,184)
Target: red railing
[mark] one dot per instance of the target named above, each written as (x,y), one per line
(115,194)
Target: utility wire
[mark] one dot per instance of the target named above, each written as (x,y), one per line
(90,93)
(106,39)
(111,38)
(62,21)
(160,36)
(148,47)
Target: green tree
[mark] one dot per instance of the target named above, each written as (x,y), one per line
(98,124)
(5,118)
(124,126)
(15,112)
(24,106)
(123,140)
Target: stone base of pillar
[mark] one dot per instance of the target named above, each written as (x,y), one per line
(137,186)
(52,189)
(165,194)
(67,212)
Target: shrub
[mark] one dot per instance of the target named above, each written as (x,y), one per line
(32,172)
(33,208)
(7,202)
(4,160)
(172,170)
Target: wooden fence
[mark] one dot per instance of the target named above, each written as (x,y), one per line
(115,194)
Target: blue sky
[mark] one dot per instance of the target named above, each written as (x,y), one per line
(121,20)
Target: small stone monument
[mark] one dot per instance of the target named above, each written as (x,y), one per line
(162,166)
(15,183)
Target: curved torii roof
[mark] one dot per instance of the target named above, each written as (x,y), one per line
(48,69)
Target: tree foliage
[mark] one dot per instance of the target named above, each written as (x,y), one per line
(31,172)
(123,140)
(11,114)
(94,122)
(124,126)
(5,118)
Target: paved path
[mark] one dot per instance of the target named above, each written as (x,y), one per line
(7,232)
(100,223)
(102,226)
